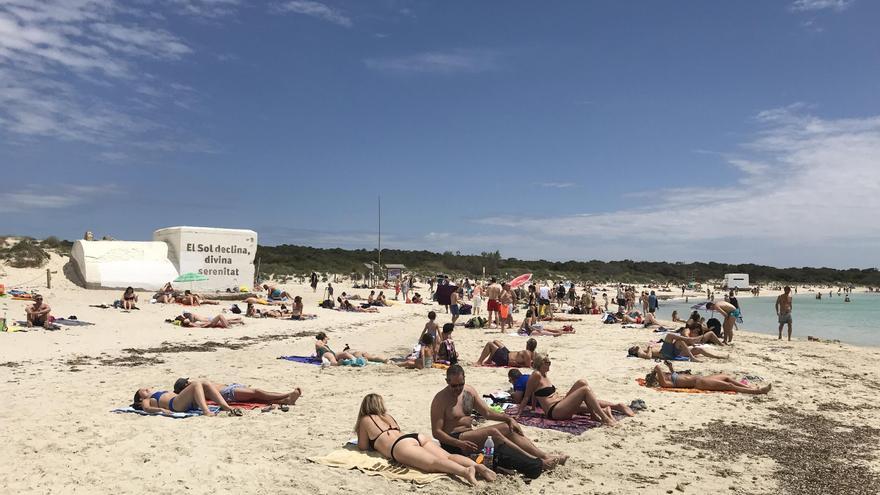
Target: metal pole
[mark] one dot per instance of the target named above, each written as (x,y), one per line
(48,279)
(380,235)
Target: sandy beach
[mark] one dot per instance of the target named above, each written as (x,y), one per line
(816,432)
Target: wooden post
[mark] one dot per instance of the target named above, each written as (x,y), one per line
(48,279)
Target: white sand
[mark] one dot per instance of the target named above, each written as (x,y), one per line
(60,437)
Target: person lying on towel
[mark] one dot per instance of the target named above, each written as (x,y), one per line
(716,383)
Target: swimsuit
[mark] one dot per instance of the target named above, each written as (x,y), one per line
(372,441)
(501,356)
(157,395)
(324,350)
(228,392)
(668,350)
(547,392)
(674,377)
(451,448)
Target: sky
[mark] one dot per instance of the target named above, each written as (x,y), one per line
(739,132)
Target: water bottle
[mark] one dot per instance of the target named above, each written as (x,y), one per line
(489,453)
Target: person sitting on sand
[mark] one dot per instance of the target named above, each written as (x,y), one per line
(166,295)
(275,294)
(422,356)
(380,299)
(371,299)
(518,381)
(674,346)
(417,299)
(717,383)
(194,395)
(323,351)
(452,423)
(531,328)
(580,398)
(377,430)
(297,310)
(446,353)
(38,314)
(496,354)
(189,320)
(675,318)
(129,299)
(236,392)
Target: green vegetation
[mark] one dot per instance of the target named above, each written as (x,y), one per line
(295,260)
(27,252)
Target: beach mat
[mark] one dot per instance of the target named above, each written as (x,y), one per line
(373,464)
(641,381)
(72,323)
(302,359)
(176,415)
(575,426)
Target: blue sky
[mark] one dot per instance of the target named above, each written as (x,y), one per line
(678,131)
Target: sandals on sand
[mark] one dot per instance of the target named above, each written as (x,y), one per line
(235,412)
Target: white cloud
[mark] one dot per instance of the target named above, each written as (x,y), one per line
(43,197)
(558,185)
(60,59)
(809,5)
(317,10)
(206,8)
(807,184)
(462,61)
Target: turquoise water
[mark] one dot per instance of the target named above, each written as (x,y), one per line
(855,322)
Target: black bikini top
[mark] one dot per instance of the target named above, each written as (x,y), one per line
(546,391)
(381,431)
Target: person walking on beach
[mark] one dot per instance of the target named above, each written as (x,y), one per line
(493,306)
(783,310)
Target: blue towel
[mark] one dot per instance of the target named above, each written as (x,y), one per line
(302,359)
(176,415)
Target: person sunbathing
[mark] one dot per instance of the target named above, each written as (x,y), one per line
(38,314)
(531,328)
(717,383)
(674,346)
(189,320)
(323,351)
(496,354)
(190,299)
(380,299)
(275,294)
(675,318)
(580,398)
(696,324)
(236,392)
(345,305)
(194,395)
(377,430)
(129,299)
(422,356)
(166,295)
(432,328)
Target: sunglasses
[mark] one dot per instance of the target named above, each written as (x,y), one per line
(456,385)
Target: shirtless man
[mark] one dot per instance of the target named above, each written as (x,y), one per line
(451,422)
(783,310)
(730,312)
(493,293)
(495,352)
(454,307)
(506,300)
(38,314)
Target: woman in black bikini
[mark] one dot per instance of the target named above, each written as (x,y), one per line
(580,399)
(129,299)
(377,430)
(194,395)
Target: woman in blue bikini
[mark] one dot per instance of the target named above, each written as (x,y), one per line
(377,430)
(717,383)
(194,395)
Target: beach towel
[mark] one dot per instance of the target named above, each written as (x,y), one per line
(373,464)
(641,381)
(176,415)
(302,359)
(575,426)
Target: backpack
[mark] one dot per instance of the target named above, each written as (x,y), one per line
(714,325)
(465,309)
(328,304)
(448,352)
(508,458)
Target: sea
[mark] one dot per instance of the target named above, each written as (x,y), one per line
(855,322)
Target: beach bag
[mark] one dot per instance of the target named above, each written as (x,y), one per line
(465,309)
(235,309)
(508,458)
(448,352)
(714,325)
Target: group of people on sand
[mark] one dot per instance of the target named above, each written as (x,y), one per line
(168,294)
(195,394)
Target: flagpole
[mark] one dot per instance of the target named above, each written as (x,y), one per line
(380,235)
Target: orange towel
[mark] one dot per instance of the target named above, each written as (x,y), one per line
(641,381)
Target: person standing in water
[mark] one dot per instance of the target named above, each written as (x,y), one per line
(783,310)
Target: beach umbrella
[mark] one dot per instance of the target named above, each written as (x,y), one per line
(521,280)
(191,277)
